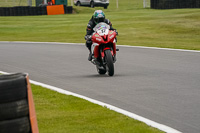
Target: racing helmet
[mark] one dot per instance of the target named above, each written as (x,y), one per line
(98,16)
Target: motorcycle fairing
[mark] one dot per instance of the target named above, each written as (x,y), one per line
(95,50)
(102,39)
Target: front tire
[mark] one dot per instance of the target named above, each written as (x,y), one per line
(109,61)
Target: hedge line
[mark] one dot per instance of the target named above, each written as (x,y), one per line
(174,4)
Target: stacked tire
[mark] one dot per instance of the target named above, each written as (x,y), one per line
(14,108)
(68,9)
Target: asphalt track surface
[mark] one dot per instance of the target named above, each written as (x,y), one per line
(161,85)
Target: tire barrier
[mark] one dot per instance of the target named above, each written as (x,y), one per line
(174,4)
(17,111)
(68,9)
(29,11)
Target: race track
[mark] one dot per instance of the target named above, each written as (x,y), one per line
(161,85)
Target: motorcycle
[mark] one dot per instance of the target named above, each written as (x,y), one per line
(103,48)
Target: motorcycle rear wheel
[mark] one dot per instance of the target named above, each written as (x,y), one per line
(109,61)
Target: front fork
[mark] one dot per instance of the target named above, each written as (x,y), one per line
(112,50)
(95,51)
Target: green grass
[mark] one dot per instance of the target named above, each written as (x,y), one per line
(59,113)
(11,3)
(178,28)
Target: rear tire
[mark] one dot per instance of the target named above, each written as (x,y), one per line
(109,61)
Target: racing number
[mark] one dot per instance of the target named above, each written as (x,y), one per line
(103,30)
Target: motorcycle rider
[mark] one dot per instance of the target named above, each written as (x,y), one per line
(97,17)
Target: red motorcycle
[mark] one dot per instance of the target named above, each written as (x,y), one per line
(104,48)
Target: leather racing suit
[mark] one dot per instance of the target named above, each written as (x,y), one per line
(89,31)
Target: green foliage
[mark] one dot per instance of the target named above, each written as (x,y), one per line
(58,113)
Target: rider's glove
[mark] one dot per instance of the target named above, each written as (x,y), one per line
(85,37)
(116,32)
(88,37)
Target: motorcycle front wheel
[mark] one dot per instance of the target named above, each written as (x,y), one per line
(109,62)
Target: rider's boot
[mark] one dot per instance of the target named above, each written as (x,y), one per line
(90,56)
(88,45)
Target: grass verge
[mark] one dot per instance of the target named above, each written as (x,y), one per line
(178,28)
(59,113)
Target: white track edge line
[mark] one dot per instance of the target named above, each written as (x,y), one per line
(116,109)
(143,47)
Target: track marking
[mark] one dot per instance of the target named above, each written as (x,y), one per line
(157,48)
(116,109)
